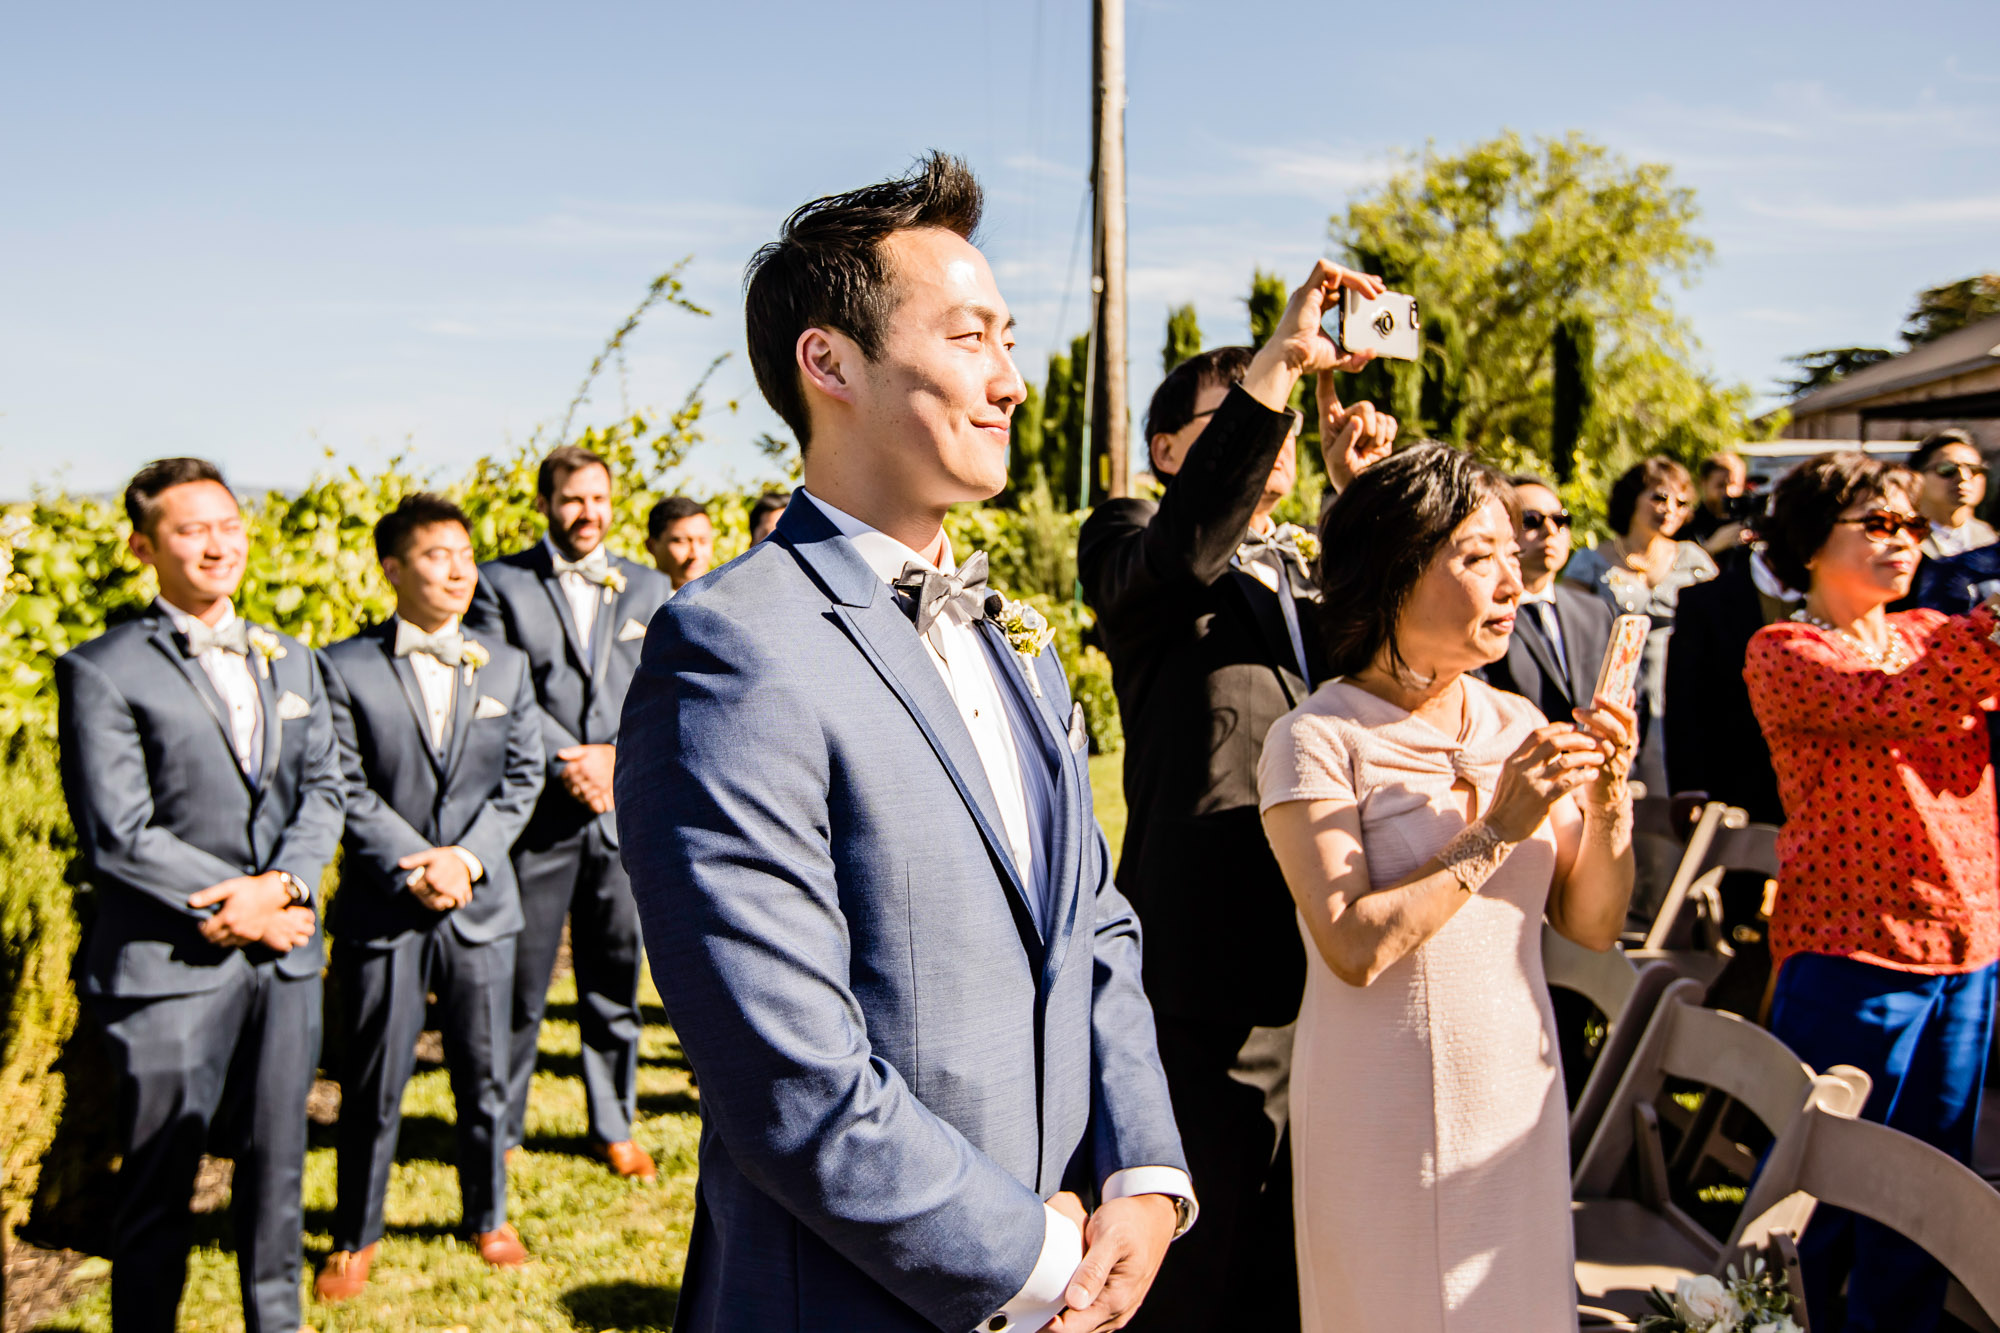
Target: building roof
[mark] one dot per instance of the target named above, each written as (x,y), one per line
(1973,347)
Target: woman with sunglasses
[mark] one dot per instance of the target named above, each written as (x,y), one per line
(1641,571)
(1886,925)
(1954,483)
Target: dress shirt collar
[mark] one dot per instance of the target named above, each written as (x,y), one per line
(598,558)
(1546,596)
(884,554)
(406,632)
(1767,580)
(181,619)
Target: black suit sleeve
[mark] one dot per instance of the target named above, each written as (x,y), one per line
(1123,559)
(106,781)
(500,821)
(314,831)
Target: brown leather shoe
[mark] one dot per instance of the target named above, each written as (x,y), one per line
(628,1159)
(502,1247)
(344,1275)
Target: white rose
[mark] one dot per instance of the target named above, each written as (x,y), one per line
(1704,1302)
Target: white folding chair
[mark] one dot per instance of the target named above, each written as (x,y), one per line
(1625,994)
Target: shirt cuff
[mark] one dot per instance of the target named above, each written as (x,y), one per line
(1041,1298)
(472,865)
(1168,1180)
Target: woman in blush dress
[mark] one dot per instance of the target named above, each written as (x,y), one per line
(1426,823)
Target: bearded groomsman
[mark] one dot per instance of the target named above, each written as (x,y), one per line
(441,746)
(199,764)
(580,614)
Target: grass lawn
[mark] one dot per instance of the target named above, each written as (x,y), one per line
(604,1254)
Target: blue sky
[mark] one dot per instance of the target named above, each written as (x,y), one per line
(261,233)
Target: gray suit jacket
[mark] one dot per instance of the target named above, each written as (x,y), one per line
(403,795)
(162,811)
(580,696)
(896,1067)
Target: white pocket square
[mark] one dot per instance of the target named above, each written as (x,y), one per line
(1079,735)
(488,707)
(291,707)
(631,630)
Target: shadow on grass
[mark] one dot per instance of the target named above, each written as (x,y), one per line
(633,1307)
(571,1066)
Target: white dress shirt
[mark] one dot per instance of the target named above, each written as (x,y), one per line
(438,682)
(231,677)
(583,596)
(1026,795)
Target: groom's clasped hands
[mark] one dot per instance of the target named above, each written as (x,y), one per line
(1123,1244)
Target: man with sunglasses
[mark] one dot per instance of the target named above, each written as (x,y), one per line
(1562,632)
(1954,483)
(1207,609)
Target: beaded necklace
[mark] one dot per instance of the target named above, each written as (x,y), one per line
(1892,658)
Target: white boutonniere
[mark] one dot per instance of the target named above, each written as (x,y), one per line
(1027,632)
(614,583)
(268,647)
(474,655)
(1302,541)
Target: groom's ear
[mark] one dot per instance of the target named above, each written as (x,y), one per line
(828,361)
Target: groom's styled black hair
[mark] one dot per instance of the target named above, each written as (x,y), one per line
(826,270)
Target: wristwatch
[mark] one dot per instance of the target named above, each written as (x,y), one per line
(301,895)
(1183,1215)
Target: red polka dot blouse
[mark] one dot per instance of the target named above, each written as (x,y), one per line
(1889,847)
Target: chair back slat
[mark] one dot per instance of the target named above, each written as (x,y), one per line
(1737,1058)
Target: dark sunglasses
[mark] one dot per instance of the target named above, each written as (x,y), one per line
(1957,471)
(1532,521)
(1884,527)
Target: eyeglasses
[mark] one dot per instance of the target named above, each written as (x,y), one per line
(1670,499)
(1533,521)
(1957,471)
(1882,526)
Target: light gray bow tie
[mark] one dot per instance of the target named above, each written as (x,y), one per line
(231,638)
(447,645)
(593,568)
(931,592)
(1283,544)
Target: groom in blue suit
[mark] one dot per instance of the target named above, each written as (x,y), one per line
(854,802)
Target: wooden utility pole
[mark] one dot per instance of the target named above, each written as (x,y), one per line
(1109,426)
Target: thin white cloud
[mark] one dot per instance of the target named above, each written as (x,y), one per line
(1909,215)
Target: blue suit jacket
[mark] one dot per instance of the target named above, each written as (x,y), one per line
(580,696)
(404,795)
(162,810)
(896,1068)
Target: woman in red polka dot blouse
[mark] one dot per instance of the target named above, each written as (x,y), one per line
(1887,921)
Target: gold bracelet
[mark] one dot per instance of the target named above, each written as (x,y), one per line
(1474,854)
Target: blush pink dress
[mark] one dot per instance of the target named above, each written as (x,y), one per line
(1429,1135)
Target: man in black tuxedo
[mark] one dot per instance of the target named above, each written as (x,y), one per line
(1715,744)
(199,763)
(1560,632)
(580,614)
(1207,611)
(441,746)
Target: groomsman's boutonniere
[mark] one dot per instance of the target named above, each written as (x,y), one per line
(1027,632)
(474,655)
(269,648)
(614,583)
(1303,542)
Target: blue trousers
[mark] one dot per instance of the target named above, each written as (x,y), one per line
(1923,1039)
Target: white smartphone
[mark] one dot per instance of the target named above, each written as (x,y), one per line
(1386,325)
(1619,675)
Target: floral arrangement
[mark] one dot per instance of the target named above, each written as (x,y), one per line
(1027,632)
(474,655)
(1754,1302)
(1302,541)
(614,583)
(269,648)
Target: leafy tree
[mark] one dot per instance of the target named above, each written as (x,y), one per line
(1573,389)
(1183,337)
(1026,469)
(1952,306)
(1504,241)
(1816,370)
(1064,413)
(1266,301)
(785,455)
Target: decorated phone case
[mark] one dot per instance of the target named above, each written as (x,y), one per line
(1620,672)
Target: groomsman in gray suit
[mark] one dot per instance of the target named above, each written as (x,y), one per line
(580,614)
(856,805)
(441,746)
(199,763)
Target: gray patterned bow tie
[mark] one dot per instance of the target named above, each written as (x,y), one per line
(447,645)
(931,592)
(231,638)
